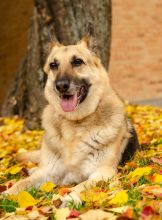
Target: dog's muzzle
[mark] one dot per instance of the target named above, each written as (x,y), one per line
(71,93)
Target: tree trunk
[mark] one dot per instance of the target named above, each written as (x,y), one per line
(69,19)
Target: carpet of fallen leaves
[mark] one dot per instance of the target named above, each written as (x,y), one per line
(134,193)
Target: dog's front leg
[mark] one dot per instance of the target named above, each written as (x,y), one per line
(36,179)
(102,173)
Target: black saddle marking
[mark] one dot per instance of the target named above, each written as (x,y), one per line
(131,147)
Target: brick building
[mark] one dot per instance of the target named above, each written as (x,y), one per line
(136,50)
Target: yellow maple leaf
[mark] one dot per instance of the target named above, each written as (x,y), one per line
(25,199)
(157,178)
(119,198)
(15,170)
(47,187)
(140,171)
(93,196)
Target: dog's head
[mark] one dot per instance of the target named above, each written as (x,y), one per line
(76,79)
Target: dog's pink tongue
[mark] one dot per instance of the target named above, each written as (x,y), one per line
(69,105)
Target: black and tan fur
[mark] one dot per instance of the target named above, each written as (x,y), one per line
(87,144)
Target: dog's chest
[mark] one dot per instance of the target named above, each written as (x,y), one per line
(77,159)
(71,140)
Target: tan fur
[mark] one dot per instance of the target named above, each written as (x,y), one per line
(86,144)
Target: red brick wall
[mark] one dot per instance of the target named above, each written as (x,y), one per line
(136,51)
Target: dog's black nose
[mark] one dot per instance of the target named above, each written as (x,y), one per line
(62,85)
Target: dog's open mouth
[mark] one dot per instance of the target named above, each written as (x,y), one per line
(69,102)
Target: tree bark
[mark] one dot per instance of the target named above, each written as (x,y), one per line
(68,19)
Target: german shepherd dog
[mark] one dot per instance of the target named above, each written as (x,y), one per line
(87,133)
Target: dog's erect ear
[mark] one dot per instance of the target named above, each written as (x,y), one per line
(53,41)
(89,40)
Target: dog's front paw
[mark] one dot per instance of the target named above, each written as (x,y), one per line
(12,191)
(73,197)
(19,186)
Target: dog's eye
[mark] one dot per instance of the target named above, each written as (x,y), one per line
(77,62)
(53,65)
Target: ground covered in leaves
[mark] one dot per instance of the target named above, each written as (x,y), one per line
(134,193)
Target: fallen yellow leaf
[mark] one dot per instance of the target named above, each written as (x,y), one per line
(25,199)
(138,172)
(3,154)
(119,198)
(47,187)
(15,170)
(93,196)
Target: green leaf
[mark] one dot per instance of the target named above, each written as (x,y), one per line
(8,205)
